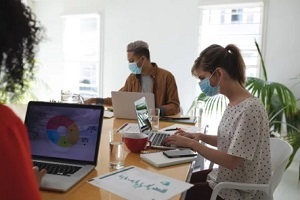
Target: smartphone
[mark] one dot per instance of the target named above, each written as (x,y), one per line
(179,153)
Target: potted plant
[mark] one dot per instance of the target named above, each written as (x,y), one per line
(22,95)
(279,101)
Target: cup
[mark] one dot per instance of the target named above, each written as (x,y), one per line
(154,118)
(136,142)
(116,150)
(70,97)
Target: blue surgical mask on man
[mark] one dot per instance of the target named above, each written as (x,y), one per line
(133,67)
(207,89)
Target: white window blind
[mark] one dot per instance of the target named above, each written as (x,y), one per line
(239,24)
(82,54)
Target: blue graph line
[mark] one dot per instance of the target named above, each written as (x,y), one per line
(139,184)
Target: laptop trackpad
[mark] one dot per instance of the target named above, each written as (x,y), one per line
(56,182)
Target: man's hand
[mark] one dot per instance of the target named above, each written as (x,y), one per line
(94,101)
(90,101)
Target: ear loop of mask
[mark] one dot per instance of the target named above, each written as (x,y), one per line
(212,75)
(138,61)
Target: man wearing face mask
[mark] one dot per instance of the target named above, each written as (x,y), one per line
(147,77)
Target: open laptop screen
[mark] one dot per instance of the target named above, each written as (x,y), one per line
(141,109)
(66,131)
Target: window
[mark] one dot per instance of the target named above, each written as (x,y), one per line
(239,24)
(237,15)
(82,54)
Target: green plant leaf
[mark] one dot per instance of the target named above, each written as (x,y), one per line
(262,61)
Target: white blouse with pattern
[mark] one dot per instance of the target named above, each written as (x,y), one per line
(244,132)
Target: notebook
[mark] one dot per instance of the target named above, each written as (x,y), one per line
(156,138)
(123,103)
(64,139)
(157,159)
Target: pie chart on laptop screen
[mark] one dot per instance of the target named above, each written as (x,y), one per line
(62,131)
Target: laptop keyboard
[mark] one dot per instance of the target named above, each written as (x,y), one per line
(57,169)
(158,138)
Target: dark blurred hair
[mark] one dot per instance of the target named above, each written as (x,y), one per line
(19,34)
(228,58)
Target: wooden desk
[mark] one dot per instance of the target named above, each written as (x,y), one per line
(86,191)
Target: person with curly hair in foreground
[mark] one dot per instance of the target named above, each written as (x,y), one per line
(19,35)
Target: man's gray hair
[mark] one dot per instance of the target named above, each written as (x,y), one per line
(133,46)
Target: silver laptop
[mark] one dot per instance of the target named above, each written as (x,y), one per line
(123,103)
(156,138)
(64,139)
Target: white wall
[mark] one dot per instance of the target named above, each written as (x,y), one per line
(171,29)
(50,54)
(282,48)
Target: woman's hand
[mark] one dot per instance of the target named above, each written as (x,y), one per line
(194,136)
(39,174)
(179,141)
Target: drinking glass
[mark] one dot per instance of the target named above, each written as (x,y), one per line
(154,118)
(116,150)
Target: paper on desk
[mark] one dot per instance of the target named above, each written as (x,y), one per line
(186,128)
(108,114)
(129,128)
(136,183)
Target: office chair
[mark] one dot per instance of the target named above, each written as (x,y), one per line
(280,153)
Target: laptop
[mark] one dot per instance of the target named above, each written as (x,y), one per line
(144,124)
(123,103)
(64,139)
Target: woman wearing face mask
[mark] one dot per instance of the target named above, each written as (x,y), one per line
(242,141)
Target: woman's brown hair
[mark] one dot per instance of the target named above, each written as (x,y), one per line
(228,58)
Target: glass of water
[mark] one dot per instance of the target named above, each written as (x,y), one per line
(116,150)
(154,118)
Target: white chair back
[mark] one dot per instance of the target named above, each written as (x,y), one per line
(280,153)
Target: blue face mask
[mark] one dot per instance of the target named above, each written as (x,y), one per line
(133,67)
(207,89)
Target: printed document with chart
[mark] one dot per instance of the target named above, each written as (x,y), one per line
(136,183)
